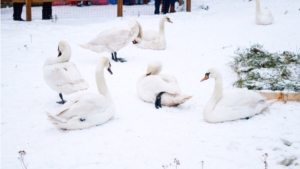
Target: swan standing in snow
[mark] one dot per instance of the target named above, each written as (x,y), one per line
(263,16)
(159,88)
(233,104)
(87,109)
(62,75)
(114,39)
(151,39)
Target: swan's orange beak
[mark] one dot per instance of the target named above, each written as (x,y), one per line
(205,78)
(134,41)
(169,20)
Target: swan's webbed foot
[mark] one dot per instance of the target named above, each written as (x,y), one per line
(62,100)
(121,60)
(158,100)
(114,57)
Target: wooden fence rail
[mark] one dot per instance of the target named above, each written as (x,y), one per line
(119,12)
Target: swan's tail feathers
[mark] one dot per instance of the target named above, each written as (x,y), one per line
(263,105)
(174,100)
(55,120)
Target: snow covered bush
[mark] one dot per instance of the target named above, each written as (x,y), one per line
(257,69)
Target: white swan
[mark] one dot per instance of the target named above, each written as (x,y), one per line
(233,104)
(87,109)
(62,75)
(113,39)
(158,88)
(263,16)
(151,39)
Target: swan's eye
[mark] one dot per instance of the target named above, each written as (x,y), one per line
(207,74)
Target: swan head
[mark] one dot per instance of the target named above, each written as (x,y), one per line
(104,61)
(211,73)
(154,68)
(64,51)
(166,19)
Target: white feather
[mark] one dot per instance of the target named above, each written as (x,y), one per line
(232,104)
(61,75)
(86,110)
(114,39)
(149,86)
(263,16)
(151,39)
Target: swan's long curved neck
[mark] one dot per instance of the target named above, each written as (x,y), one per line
(66,54)
(162,27)
(217,95)
(140,35)
(258,6)
(101,83)
(218,91)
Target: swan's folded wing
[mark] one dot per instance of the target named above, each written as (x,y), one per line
(240,97)
(73,73)
(155,84)
(153,44)
(65,77)
(168,78)
(116,35)
(150,35)
(83,106)
(171,81)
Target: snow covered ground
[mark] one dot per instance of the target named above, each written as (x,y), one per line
(140,136)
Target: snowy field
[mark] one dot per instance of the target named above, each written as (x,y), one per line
(140,136)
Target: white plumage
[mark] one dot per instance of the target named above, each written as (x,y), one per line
(61,75)
(263,16)
(86,110)
(152,83)
(114,39)
(232,104)
(151,39)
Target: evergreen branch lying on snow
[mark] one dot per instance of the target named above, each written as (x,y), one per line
(258,69)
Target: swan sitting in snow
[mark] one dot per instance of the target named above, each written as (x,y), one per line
(114,39)
(233,104)
(151,39)
(62,75)
(159,88)
(263,16)
(87,109)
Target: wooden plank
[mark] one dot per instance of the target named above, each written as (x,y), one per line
(281,96)
(28,10)
(188,5)
(120,8)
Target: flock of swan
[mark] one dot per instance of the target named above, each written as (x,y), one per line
(91,109)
